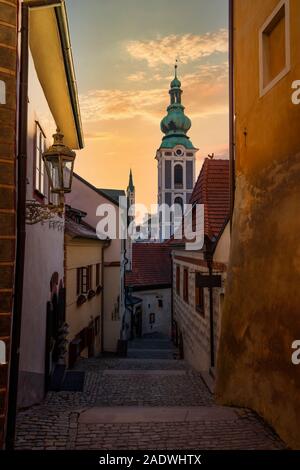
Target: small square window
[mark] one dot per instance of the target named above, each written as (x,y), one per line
(274,47)
(152,318)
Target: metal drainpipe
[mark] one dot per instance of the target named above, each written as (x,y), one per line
(21,220)
(231,109)
(172,298)
(102,302)
(105,246)
(209,258)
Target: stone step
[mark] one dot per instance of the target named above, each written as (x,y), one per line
(143,414)
(151,353)
(130,372)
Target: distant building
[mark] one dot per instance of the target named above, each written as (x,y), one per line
(148,290)
(146,231)
(84,265)
(87,198)
(176,154)
(199,276)
(130,193)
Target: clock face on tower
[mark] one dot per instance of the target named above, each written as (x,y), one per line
(179,152)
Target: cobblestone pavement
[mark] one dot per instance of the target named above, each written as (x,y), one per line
(116,383)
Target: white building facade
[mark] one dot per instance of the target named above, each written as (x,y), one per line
(52,104)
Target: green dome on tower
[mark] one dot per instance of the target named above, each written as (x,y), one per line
(175,124)
(175,83)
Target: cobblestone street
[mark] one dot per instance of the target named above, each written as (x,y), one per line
(149,401)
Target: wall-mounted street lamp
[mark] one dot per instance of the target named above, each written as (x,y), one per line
(59,164)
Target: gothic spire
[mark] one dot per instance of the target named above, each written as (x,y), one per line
(130,184)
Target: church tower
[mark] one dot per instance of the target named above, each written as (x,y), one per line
(130,193)
(176,154)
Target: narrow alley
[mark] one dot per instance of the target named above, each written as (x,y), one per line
(148,400)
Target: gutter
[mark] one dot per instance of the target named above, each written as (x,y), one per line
(102,303)
(172,297)
(63,28)
(209,258)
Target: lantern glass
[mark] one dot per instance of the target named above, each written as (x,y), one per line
(52,164)
(67,175)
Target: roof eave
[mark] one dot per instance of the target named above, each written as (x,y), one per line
(62,21)
(49,27)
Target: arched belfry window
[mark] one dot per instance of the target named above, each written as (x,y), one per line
(178,176)
(178,200)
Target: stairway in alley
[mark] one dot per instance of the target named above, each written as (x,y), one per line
(148,400)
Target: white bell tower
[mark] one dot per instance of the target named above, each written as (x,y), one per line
(176,155)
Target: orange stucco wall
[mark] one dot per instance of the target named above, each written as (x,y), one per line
(261,316)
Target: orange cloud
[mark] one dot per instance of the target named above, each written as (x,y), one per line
(205,93)
(98,135)
(187,48)
(136,77)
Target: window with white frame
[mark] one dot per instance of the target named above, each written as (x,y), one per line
(39,163)
(274,47)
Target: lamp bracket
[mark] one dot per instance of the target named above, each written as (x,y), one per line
(36,212)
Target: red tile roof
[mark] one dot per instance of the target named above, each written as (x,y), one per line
(213,190)
(151,265)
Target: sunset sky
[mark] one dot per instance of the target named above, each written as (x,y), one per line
(124,53)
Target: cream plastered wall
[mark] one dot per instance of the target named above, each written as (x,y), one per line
(221,254)
(112,322)
(80,253)
(44,255)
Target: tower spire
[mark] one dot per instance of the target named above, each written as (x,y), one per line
(176,124)
(175,67)
(130,184)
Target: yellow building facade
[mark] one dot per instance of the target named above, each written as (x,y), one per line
(84,289)
(261,316)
